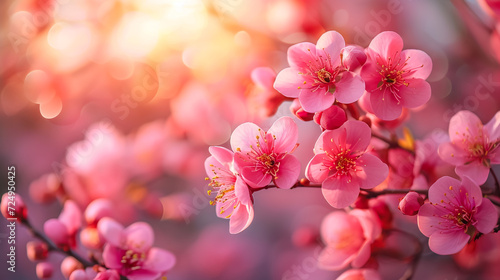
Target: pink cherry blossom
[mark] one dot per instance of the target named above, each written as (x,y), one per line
(129,250)
(263,99)
(395,78)
(348,238)
(233,200)
(456,212)
(342,165)
(473,147)
(261,157)
(317,75)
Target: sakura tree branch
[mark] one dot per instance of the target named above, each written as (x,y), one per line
(372,194)
(299,184)
(392,143)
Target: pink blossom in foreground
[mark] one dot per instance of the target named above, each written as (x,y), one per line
(473,147)
(342,165)
(130,252)
(261,157)
(456,212)
(233,200)
(360,274)
(348,238)
(316,75)
(395,78)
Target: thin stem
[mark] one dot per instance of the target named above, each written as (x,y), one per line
(392,143)
(297,185)
(372,194)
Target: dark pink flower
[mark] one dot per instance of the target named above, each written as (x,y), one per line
(233,200)
(317,76)
(456,212)
(473,147)
(129,250)
(395,78)
(348,238)
(342,165)
(261,157)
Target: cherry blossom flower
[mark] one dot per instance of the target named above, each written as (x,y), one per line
(261,157)
(317,75)
(130,252)
(395,78)
(473,147)
(233,200)
(342,165)
(348,238)
(456,212)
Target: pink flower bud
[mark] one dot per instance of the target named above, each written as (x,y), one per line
(297,110)
(331,118)
(68,265)
(353,57)
(44,270)
(12,207)
(57,232)
(89,237)
(410,204)
(97,210)
(37,250)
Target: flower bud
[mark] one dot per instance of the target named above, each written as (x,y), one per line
(297,110)
(37,250)
(410,204)
(89,237)
(68,265)
(12,207)
(353,57)
(331,118)
(97,210)
(57,232)
(44,270)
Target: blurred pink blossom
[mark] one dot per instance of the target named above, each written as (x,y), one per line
(360,274)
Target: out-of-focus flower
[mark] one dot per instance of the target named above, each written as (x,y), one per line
(360,274)
(263,99)
(129,250)
(411,203)
(68,265)
(13,207)
(44,270)
(46,188)
(473,147)
(63,229)
(342,165)
(331,118)
(261,157)
(317,76)
(348,238)
(233,200)
(91,274)
(395,78)
(455,213)
(37,250)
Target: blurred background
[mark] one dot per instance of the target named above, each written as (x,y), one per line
(120,99)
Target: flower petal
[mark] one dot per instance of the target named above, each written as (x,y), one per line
(331,42)
(464,124)
(340,192)
(486,216)
(159,260)
(288,172)
(442,188)
(300,54)
(288,82)
(416,94)
(492,128)
(427,222)
(140,236)
(448,243)
(221,154)
(263,77)
(286,132)
(418,60)
(370,73)
(244,136)
(452,154)
(111,231)
(372,171)
(387,44)
(363,255)
(112,256)
(242,192)
(333,259)
(384,105)
(255,178)
(241,218)
(316,100)
(475,170)
(349,88)
(316,172)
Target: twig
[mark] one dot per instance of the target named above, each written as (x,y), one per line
(372,194)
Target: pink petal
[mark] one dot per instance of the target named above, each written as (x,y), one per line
(338,192)
(112,256)
(447,243)
(316,172)
(244,136)
(373,171)
(419,60)
(440,190)
(363,255)
(416,94)
(475,170)
(288,172)
(300,54)
(263,77)
(71,216)
(111,231)
(336,222)
(331,42)
(140,236)
(369,222)
(142,274)
(384,105)
(241,218)
(486,216)
(159,260)
(333,259)
(221,154)
(453,155)
(426,220)
(56,231)
(492,128)
(255,178)
(288,82)
(471,189)
(358,135)
(349,88)
(386,44)
(242,192)
(370,74)
(286,133)
(314,101)
(464,123)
